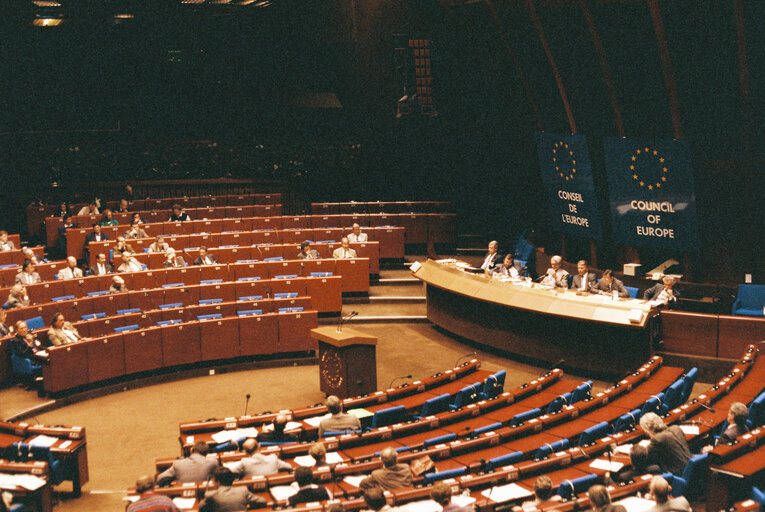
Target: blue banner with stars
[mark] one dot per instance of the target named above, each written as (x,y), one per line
(652,196)
(564,161)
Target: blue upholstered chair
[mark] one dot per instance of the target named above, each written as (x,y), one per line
(750,300)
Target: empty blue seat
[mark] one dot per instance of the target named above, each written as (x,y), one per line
(757,411)
(209,317)
(570,488)
(55,466)
(273,258)
(326,241)
(443,475)
(171,306)
(750,300)
(36,322)
(688,381)
(210,281)
(493,385)
(170,322)
(388,416)
(627,420)
(253,278)
(63,297)
(128,311)
(96,294)
(285,295)
(210,301)
(653,404)
(550,448)
(246,261)
(295,309)
(672,397)
(439,440)
(173,285)
(248,312)
(321,274)
(435,405)
(692,483)
(593,433)
(286,276)
(559,403)
(23,367)
(251,297)
(582,392)
(525,416)
(93,316)
(504,460)
(466,396)
(487,428)
(757,495)
(131,327)
(632,291)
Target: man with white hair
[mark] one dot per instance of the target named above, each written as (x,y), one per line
(356,235)
(344,251)
(664,291)
(392,475)
(71,271)
(492,257)
(129,263)
(668,447)
(5,244)
(30,255)
(172,261)
(660,489)
(556,276)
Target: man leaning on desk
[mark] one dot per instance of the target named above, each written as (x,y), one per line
(609,284)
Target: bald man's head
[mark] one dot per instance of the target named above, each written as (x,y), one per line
(660,489)
(144,483)
(389,457)
(334,405)
(280,422)
(250,446)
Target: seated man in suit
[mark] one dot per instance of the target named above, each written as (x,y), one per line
(118,285)
(738,414)
(5,244)
(62,332)
(442,494)
(148,499)
(25,344)
(356,235)
(135,231)
(338,420)
(668,447)
(178,214)
(129,263)
(308,491)
(159,245)
(556,276)
(89,209)
(256,464)
(17,297)
(29,255)
(274,433)
(101,266)
(609,284)
(664,291)
(28,275)
(584,280)
(194,468)
(374,497)
(492,257)
(306,253)
(70,271)
(227,498)
(123,207)
(205,258)
(344,251)
(96,235)
(543,493)
(392,475)
(509,268)
(173,261)
(122,246)
(68,224)
(660,489)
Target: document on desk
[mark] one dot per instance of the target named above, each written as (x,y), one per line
(42,440)
(624,449)
(282,492)
(360,413)
(290,425)
(354,480)
(184,503)
(233,435)
(314,421)
(690,430)
(25,481)
(603,464)
(308,461)
(421,506)
(507,492)
(635,504)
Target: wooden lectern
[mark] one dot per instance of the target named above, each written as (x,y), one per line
(347,361)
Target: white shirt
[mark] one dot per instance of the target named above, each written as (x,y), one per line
(361,237)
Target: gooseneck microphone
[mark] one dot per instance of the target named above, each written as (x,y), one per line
(397,378)
(344,319)
(463,357)
(246,403)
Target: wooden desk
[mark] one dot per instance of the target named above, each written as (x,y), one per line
(538,322)
(729,482)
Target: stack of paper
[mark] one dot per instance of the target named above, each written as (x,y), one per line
(42,440)
(507,492)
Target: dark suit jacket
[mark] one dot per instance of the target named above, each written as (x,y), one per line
(615,285)
(308,494)
(230,499)
(273,436)
(22,349)
(108,266)
(669,450)
(198,261)
(731,433)
(91,237)
(313,253)
(576,282)
(194,468)
(653,292)
(500,269)
(495,260)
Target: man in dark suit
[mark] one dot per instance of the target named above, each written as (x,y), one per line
(509,268)
(664,291)
(668,447)
(737,416)
(194,468)
(306,253)
(584,281)
(96,235)
(204,258)
(492,257)
(227,498)
(101,266)
(609,284)
(309,491)
(276,433)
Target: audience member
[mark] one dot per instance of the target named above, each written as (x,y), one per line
(148,500)
(159,245)
(89,209)
(738,414)
(62,210)
(374,497)
(339,420)
(306,253)
(122,246)
(492,257)
(660,489)
(442,494)
(318,453)
(96,235)
(227,498)
(17,297)
(28,275)
(356,235)
(274,433)
(638,465)
(62,332)
(4,329)
(609,284)
(101,266)
(600,500)
(336,507)
(584,280)
(68,224)
(5,244)
(135,218)
(30,255)
(556,276)
(668,447)
(664,292)
(135,232)
(178,215)
(71,271)
(307,490)
(107,219)
(205,258)
(543,493)
(129,263)
(392,475)
(256,463)
(123,206)
(344,251)
(118,285)
(172,260)
(509,268)
(25,344)
(194,468)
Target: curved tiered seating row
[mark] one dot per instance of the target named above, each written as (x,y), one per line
(62,458)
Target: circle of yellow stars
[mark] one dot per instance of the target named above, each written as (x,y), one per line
(562,156)
(641,181)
